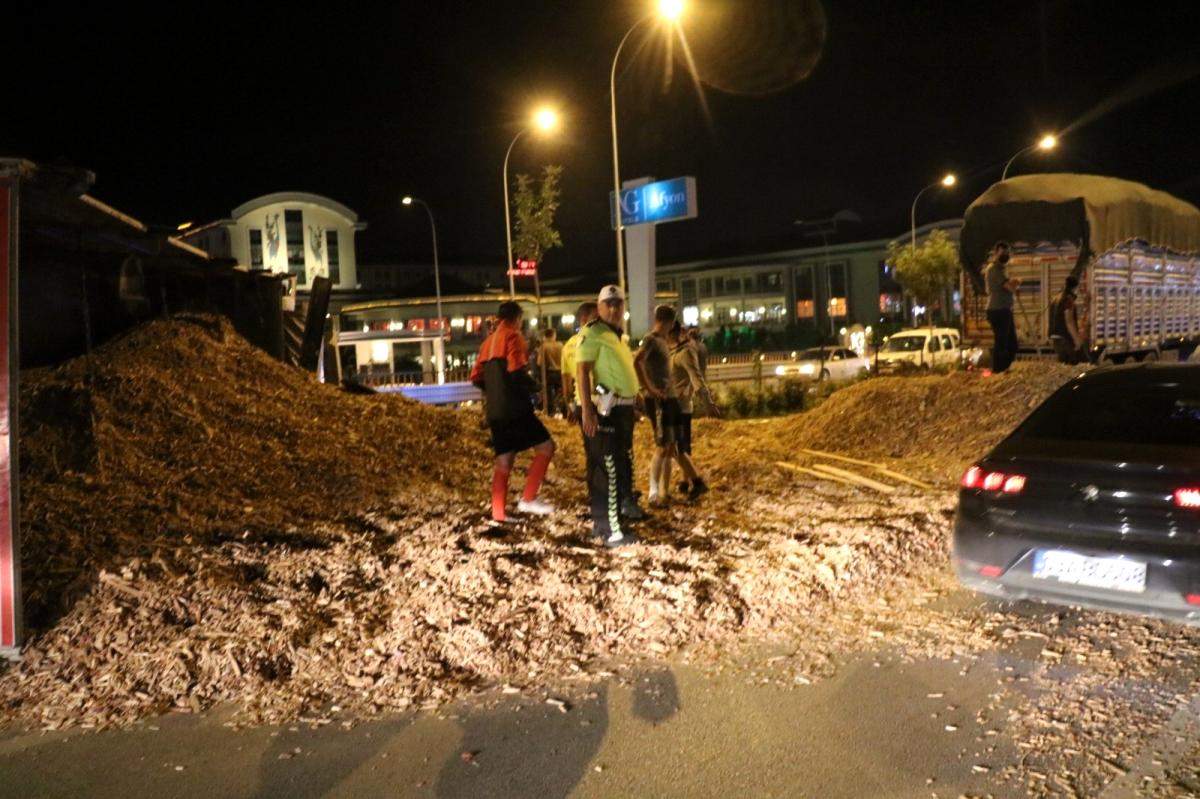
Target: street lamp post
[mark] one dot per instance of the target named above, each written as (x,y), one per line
(437,276)
(439,349)
(946,182)
(670,11)
(1046,143)
(545,120)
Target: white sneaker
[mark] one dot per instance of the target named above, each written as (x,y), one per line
(536,507)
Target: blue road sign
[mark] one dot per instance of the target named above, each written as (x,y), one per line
(661,201)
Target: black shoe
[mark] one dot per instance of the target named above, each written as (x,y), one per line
(699,487)
(631,511)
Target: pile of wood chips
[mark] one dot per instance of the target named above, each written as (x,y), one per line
(940,421)
(204,525)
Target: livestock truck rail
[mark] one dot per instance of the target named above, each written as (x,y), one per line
(1135,251)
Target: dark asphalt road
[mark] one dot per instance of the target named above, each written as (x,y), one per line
(883,726)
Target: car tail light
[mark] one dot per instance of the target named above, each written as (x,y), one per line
(1192,599)
(1187,497)
(990,571)
(1014,484)
(973,478)
(994,481)
(976,477)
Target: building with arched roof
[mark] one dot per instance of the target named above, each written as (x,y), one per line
(288,232)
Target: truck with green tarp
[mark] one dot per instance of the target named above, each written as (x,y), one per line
(1135,251)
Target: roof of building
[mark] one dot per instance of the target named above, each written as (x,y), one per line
(298,197)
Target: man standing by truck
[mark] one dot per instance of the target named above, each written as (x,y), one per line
(1064,324)
(1000,289)
(607,390)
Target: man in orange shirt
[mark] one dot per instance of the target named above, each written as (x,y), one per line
(502,372)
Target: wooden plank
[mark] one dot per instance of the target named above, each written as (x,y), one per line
(814,473)
(904,478)
(822,454)
(882,488)
(877,467)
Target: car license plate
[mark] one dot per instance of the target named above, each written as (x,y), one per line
(1116,574)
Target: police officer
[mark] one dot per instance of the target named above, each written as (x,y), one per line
(608,386)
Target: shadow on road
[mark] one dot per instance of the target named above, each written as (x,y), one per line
(522,751)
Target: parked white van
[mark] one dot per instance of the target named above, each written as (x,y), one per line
(921,347)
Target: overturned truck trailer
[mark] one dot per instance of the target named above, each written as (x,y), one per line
(1136,252)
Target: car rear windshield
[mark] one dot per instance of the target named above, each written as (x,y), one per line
(1165,414)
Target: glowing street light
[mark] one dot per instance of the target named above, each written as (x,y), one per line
(670,12)
(1045,144)
(545,120)
(946,182)
(437,277)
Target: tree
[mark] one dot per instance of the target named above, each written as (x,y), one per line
(535,205)
(927,272)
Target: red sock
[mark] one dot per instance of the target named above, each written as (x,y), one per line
(499,493)
(537,471)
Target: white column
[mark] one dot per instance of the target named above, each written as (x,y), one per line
(640,257)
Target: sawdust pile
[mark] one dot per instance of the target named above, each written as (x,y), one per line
(944,421)
(184,432)
(203,525)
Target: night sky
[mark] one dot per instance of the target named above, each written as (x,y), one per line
(187,113)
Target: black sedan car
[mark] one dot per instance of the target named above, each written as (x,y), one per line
(1095,499)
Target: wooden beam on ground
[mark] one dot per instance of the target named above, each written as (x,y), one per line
(882,488)
(814,473)
(877,467)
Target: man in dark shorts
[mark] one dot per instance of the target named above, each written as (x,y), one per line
(689,383)
(653,364)
(502,372)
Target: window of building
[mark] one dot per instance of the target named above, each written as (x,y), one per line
(293,223)
(706,287)
(769,282)
(256,250)
(665,285)
(748,284)
(687,291)
(805,309)
(335,257)
(837,290)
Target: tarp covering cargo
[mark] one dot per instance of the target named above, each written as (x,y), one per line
(1099,212)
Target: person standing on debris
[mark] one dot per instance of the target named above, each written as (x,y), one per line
(1064,324)
(552,355)
(697,341)
(607,391)
(584,315)
(502,372)
(653,365)
(1000,289)
(688,382)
